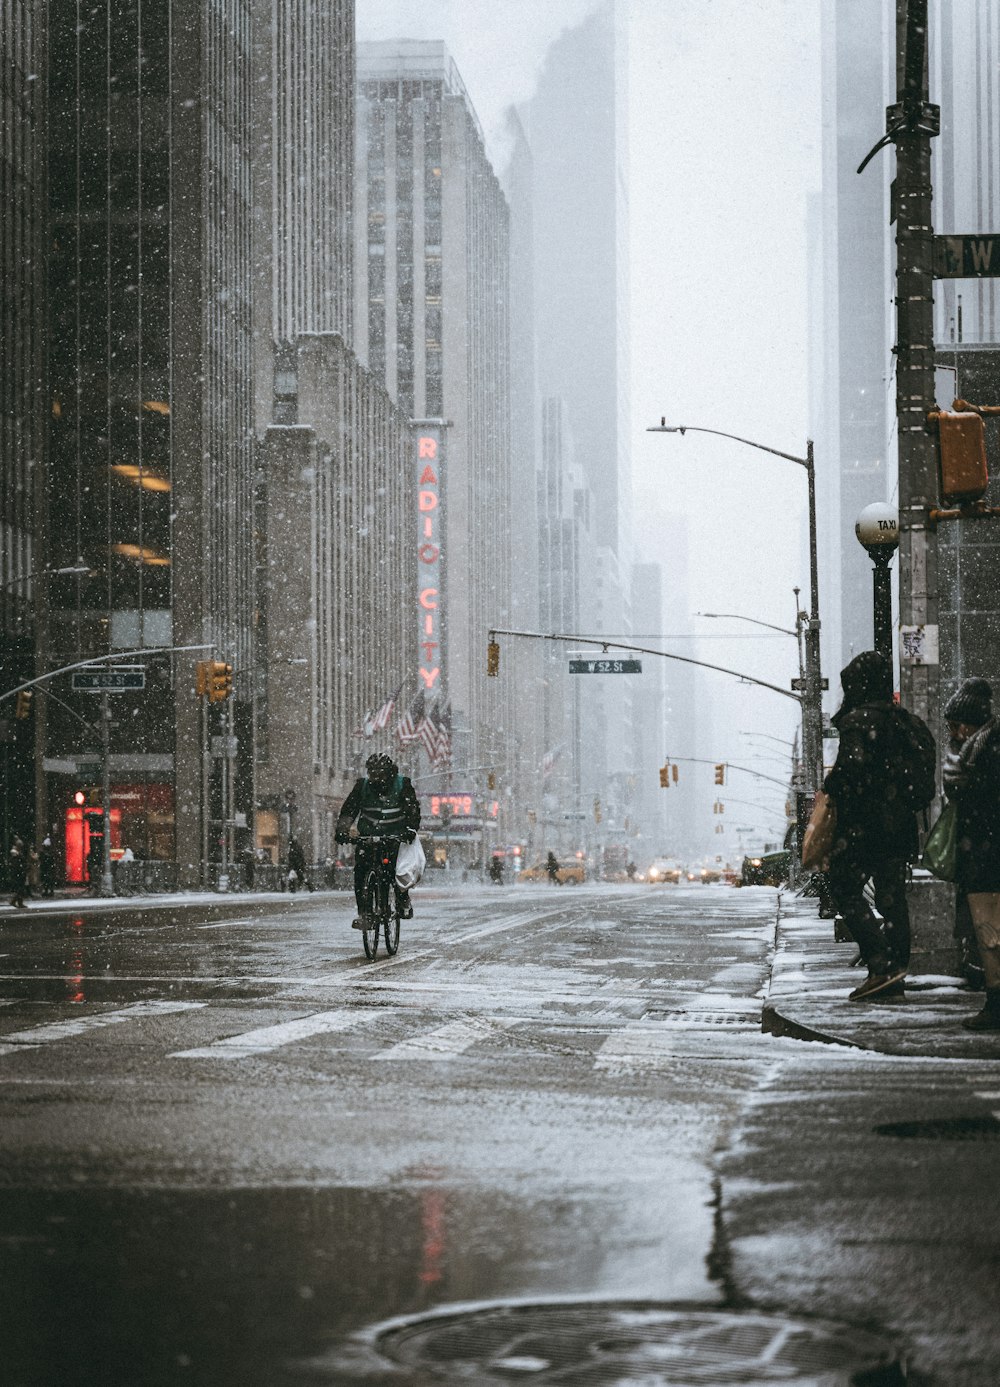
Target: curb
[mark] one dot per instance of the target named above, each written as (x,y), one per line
(773,1023)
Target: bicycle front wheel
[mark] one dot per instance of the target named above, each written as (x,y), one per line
(392,930)
(370,916)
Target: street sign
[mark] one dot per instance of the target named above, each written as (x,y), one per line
(799,685)
(108,680)
(605,666)
(970,256)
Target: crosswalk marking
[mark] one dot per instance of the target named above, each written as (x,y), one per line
(446,1042)
(264,1039)
(50,1031)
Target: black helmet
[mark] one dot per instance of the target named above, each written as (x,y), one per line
(381,768)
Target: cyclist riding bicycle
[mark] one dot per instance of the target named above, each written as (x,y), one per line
(383,803)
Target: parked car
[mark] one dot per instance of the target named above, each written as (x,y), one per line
(660,870)
(571,872)
(769,869)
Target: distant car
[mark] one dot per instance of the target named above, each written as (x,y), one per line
(570,873)
(769,869)
(707,875)
(661,870)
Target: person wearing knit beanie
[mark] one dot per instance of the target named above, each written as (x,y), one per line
(971,705)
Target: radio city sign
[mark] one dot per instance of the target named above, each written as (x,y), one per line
(430,565)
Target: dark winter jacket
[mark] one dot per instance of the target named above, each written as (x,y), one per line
(393,811)
(976,794)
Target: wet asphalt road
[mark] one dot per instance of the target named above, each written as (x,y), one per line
(227,1142)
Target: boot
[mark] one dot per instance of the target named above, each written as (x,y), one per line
(989,1018)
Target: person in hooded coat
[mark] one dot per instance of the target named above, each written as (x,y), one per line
(971,776)
(876,833)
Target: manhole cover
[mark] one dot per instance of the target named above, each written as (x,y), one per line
(618,1344)
(985,1128)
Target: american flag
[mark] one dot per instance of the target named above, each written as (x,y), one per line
(440,718)
(549,761)
(409,723)
(427,733)
(382,716)
(378,719)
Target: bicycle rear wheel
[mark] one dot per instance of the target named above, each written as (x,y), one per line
(370,921)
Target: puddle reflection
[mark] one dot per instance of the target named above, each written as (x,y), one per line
(237,1287)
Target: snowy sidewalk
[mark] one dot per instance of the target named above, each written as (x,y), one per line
(810,980)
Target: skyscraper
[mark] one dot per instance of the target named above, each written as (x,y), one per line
(431,321)
(23,406)
(576,127)
(150,475)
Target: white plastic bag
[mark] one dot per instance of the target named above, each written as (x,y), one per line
(410,864)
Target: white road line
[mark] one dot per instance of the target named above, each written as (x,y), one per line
(221,924)
(267,1038)
(50,1031)
(449,1041)
(636,1049)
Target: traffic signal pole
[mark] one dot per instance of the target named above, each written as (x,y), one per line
(911,124)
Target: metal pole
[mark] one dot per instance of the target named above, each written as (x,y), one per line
(917,123)
(223,841)
(204,790)
(231,777)
(107,885)
(812,709)
(882,600)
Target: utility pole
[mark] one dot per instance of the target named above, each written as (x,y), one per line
(918,595)
(911,124)
(107,884)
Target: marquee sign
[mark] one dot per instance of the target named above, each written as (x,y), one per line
(430,562)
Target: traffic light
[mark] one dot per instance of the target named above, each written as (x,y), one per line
(597,810)
(220,681)
(23,708)
(961,455)
(491,780)
(201,677)
(720,773)
(492,658)
(674,774)
(665,776)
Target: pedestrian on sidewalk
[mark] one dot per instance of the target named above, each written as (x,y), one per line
(883,776)
(47,867)
(17,871)
(971,777)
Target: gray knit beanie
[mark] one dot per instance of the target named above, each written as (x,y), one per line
(971,704)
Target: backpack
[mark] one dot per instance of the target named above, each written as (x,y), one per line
(913,765)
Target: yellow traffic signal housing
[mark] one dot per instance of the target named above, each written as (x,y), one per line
(491,780)
(665,776)
(674,773)
(201,677)
(23,708)
(597,811)
(220,681)
(493,659)
(961,456)
(720,773)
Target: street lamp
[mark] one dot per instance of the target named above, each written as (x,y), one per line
(78,568)
(812,691)
(877,529)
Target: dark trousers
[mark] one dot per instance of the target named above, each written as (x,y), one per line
(364,860)
(882,948)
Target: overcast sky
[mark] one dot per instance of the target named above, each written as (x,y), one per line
(724,148)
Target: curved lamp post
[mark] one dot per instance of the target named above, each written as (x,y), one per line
(877,529)
(812,700)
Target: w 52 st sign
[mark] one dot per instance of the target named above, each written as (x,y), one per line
(975,256)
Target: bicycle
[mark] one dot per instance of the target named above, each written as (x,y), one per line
(379,913)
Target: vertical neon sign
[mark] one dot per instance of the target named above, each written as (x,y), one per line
(430,568)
